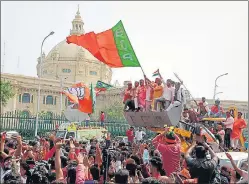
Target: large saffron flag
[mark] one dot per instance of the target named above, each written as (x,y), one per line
(80,95)
(111,47)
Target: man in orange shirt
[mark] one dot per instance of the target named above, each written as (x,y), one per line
(238,125)
(157,90)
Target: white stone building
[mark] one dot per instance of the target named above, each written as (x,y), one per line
(64,65)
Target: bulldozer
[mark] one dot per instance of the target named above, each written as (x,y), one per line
(157,121)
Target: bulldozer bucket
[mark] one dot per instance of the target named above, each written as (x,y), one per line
(154,119)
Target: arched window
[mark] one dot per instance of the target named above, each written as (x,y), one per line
(26,98)
(49,100)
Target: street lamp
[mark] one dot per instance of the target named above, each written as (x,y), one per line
(61,86)
(39,85)
(218,93)
(215,85)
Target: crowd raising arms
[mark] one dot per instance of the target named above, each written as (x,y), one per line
(146,95)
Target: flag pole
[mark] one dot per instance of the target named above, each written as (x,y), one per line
(141,68)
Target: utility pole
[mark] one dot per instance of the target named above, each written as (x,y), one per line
(215,84)
(39,84)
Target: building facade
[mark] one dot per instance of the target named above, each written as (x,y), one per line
(65,65)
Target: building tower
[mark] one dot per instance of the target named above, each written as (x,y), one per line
(77,24)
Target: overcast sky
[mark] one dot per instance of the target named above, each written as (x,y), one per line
(197,40)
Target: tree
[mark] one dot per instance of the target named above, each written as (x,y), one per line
(7,92)
(115,112)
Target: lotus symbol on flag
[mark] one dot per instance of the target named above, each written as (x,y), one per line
(82,100)
(79,92)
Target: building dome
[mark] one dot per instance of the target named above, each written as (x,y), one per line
(66,51)
(73,63)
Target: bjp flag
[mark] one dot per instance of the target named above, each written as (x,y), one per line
(79,94)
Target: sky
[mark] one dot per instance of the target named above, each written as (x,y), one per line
(197,40)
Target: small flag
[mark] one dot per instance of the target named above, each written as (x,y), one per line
(102,86)
(156,73)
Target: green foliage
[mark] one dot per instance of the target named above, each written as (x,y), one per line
(115,112)
(7,92)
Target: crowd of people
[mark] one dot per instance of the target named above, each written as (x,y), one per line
(159,95)
(228,131)
(156,95)
(159,160)
(56,160)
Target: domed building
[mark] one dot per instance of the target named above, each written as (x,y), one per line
(73,63)
(65,65)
